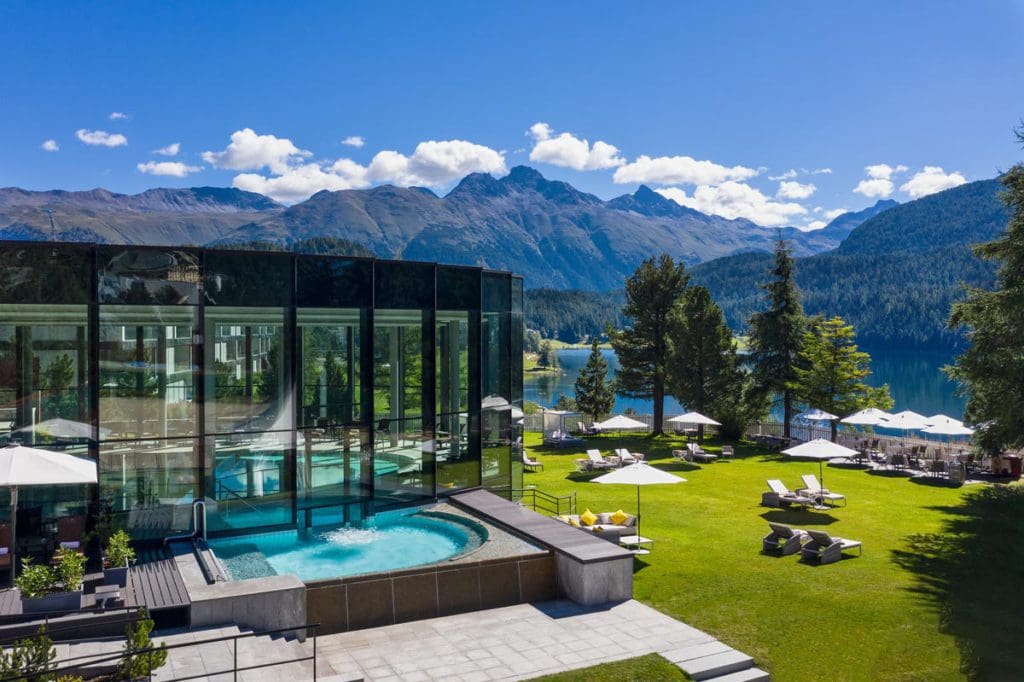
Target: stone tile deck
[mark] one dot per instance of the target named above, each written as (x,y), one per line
(524,641)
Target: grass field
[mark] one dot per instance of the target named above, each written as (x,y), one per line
(935,596)
(643,669)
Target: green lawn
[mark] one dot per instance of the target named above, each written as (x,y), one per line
(935,596)
(642,669)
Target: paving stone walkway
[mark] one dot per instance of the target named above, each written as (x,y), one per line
(527,640)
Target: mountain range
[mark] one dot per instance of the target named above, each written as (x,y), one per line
(548,231)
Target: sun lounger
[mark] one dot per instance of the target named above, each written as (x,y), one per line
(783,539)
(825,548)
(531,464)
(727,451)
(781,496)
(599,462)
(627,457)
(812,488)
(697,453)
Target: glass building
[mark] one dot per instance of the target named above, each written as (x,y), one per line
(286,390)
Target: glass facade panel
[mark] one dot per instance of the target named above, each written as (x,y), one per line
(403,452)
(334,283)
(147,372)
(249,478)
(45,274)
(149,485)
(458,288)
(403,285)
(248,279)
(458,466)
(44,376)
(148,276)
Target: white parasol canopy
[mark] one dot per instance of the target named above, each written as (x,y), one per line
(23,466)
(821,450)
(817,415)
(620,422)
(638,474)
(871,416)
(907,420)
(693,418)
(58,427)
(947,426)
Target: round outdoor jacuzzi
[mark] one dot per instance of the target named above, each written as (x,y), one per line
(385,542)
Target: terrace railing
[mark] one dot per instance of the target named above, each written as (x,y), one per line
(546,503)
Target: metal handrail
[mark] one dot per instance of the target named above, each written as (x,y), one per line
(235,493)
(109,658)
(48,629)
(551,504)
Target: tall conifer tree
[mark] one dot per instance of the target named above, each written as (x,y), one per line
(776,334)
(595,397)
(991,371)
(831,372)
(702,362)
(642,350)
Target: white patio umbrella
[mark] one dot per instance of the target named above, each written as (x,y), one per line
(871,416)
(940,418)
(694,418)
(638,474)
(58,427)
(620,422)
(821,450)
(907,420)
(947,426)
(22,466)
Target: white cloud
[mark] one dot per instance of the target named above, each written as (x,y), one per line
(50,146)
(795,190)
(117,116)
(835,213)
(299,183)
(931,180)
(737,200)
(101,138)
(569,151)
(874,189)
(788,175)
(815,225)
(249,151)
(883,171)
(821,171)
(173,168)
(679,170)
(433,163)
(170,150)
(354,141)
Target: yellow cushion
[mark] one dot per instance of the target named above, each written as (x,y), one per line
(588,518)
(620,517)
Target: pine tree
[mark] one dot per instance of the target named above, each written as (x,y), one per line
(651,293)
(990,372)
(776,334)
(702,360)
(546,355)
(595,397)
(831,369)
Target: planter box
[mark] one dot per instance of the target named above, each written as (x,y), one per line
(58,601)
(116,576)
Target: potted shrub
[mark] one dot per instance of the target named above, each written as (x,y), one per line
(52,589)
(117,557)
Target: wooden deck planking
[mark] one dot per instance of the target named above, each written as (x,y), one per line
(156,583)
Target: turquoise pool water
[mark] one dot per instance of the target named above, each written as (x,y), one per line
(386,542)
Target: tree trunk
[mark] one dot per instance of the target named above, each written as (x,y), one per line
(787,411)
(659,404)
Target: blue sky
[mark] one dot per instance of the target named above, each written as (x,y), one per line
(712,104)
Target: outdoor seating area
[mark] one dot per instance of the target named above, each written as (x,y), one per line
(609,526)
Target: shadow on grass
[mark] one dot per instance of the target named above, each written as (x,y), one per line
(799,517)
(971,572)
(934,481)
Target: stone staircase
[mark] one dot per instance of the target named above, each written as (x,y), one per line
(213,661)
(717,662)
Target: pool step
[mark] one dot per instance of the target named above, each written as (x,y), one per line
(213,569)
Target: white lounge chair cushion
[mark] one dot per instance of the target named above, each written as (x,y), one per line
(75,544)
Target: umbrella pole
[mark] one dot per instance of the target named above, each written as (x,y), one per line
(638,512)
(14,531)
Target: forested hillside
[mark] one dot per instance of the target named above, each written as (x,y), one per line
(572,316)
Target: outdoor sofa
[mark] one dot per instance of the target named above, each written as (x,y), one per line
(603,525)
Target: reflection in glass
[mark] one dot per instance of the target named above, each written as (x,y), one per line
(496,412)
(329,465)
(457,467)
(246,380)
(44,375)
(149,485)
(399,439)
(148,276)
(330,367)
(248,476)
(146,372)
